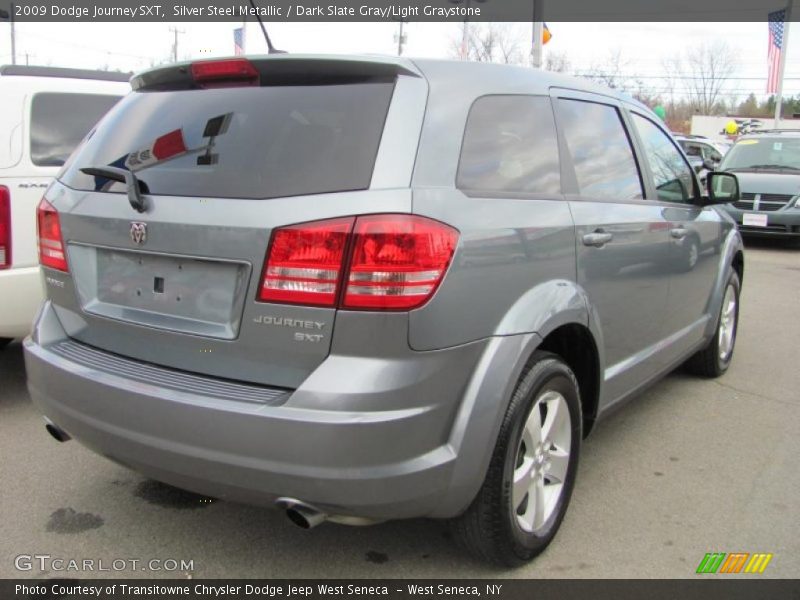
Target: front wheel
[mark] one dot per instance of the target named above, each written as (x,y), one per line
(715,358)
(524,497)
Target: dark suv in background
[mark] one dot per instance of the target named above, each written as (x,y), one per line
(360,289)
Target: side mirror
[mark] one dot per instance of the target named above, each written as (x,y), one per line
(722,187)
(710,164)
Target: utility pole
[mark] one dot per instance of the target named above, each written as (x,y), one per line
(10,17)
(400,38)
(13,37)
(782,64)
(176,31)
(538,32)
(465,31)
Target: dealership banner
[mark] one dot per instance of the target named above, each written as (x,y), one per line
(406,589)
(389,10)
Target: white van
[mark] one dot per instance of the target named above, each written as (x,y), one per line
(44,114)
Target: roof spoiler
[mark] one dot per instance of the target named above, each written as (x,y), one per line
(26,71)
(273,71)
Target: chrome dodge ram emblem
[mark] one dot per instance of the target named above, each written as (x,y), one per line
(138,232)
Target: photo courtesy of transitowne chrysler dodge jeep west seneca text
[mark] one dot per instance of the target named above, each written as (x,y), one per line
(361,289)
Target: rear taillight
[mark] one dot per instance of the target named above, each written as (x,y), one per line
(304,263)
(374,262)
(5,228)
(51,245)
(230,72)
(397,261)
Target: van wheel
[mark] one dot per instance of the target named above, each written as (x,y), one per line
(715,358)
(5,342)
(527,488)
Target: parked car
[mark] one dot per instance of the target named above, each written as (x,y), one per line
(44,114)
(361,289)
(704,154)
(767,164)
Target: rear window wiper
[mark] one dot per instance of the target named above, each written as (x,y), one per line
(123,176)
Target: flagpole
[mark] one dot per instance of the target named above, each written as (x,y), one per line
(782,64)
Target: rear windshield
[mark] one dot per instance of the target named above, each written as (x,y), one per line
(254,142)
(60,121)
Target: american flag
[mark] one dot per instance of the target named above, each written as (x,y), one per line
(238,41)
(776,20)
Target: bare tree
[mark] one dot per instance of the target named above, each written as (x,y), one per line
(491,42)
(707,70)
(609,72)
(558,62)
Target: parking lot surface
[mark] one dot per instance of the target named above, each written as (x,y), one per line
(690,466)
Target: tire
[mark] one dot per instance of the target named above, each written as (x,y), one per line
(501,526)
(5,342)
(715,358)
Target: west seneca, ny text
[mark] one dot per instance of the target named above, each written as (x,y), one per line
(256,590)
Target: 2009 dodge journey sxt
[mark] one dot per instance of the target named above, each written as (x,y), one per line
(362,289)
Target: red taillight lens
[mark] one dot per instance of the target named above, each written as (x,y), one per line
(395,262)
(51,246)
(224,73)
(5,227)
(304,263)
(398,261)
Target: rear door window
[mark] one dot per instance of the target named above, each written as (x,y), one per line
(60,121)
(672,176)
(510,145)
(601,151)
(249,142)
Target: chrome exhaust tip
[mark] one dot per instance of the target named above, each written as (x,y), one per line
(301,514)
(54,430)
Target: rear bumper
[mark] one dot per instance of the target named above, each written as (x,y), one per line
(21,294)
(381,464)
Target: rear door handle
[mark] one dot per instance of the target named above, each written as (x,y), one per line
(597,239)
(678,233)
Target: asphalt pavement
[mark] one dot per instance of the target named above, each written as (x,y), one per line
(690,466)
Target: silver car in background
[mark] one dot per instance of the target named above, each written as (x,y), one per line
(361,289)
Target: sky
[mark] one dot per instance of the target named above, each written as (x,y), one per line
(643,46)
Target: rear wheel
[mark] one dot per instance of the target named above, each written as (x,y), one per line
(715,358)
(524,497)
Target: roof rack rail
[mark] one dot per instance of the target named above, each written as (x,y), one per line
(26,71)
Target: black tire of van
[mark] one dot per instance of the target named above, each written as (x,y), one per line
(489,528)
(5,342)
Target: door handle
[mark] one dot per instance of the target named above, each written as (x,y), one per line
(678,233)
(598,239)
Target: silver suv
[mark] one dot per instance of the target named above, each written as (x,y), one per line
(361,289)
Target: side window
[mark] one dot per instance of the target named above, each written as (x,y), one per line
(60,121)
(510,145)
(601,151)
(710,153)
(673,178)
(693,150)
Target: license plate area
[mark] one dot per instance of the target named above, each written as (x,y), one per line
(178,293)
(754,220)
